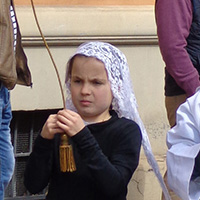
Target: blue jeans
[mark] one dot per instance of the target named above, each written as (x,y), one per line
(7,160)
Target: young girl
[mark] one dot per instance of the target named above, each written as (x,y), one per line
(99,118)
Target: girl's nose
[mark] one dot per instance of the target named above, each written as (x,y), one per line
(85,89)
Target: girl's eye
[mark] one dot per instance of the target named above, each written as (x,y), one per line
(97,82)
(76,81)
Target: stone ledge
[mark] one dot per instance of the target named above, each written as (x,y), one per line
(88,21)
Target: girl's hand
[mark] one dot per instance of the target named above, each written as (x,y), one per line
(70,122)
(50,127)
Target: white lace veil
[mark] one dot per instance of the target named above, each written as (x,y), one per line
(124,101)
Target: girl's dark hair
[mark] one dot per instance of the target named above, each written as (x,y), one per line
(69,66)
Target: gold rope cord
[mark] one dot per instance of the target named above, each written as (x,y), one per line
(67,163)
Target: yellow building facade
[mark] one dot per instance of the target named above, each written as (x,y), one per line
(128,24)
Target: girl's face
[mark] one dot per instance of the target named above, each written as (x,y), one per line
(90,89)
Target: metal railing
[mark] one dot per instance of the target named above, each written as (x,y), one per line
(25,126)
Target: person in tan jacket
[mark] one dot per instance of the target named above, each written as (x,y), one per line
(13,70)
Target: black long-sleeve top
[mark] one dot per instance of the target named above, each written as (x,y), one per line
(106,155)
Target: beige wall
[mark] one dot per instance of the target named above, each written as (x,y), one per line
(133,30)
(86,2)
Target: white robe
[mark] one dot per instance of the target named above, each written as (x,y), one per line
(183,141)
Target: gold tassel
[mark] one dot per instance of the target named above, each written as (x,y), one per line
(67,163)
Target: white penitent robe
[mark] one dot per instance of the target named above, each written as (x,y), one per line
(183,141)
